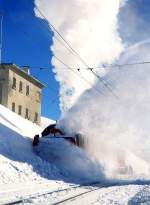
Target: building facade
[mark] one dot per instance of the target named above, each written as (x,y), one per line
(20,92)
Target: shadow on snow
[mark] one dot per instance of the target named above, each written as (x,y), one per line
(72,165)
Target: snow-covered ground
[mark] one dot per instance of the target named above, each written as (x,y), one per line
(21,171)
(48,173)
(45,122)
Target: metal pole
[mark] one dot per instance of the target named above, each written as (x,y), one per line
(1,36)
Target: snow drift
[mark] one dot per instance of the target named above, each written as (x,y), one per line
(18,163)
(72,160)
(52,160)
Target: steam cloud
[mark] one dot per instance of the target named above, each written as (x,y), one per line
(90,27)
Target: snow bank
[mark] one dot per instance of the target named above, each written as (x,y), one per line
(72,160)
(18,163)
(52,160)
(17,123)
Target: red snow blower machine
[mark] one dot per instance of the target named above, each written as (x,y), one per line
(57,133)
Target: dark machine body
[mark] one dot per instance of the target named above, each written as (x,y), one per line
(54,132)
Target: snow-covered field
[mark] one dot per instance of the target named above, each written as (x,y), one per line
(49,173)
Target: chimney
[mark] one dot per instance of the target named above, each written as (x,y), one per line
(26,69)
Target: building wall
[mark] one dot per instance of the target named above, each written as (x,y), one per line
(32,102)
(4,86)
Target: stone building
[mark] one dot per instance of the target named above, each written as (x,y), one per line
(20,92)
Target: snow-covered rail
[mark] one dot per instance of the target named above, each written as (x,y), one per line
(85,190)
(15,202)
(79,189)
(75,196)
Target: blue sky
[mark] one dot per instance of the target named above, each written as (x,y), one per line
(134,21)
(26,41)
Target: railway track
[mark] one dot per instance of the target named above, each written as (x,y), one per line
(78,189)
(76,196)
(91,188)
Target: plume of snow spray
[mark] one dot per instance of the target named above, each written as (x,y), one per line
(90,27)
(117,131)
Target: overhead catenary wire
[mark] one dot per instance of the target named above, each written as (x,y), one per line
(104,82)
(57,38)
(100,67)
(60,35)
(78,69)
(67,67)
(109,66)
(32,90)
(30,96)
(83,78)
(75,52)
(54,99)
(106,66)
(80,76)
(29,37)
(127,64)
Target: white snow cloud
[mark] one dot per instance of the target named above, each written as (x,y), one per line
(117,131)
(90,27)
(134,21)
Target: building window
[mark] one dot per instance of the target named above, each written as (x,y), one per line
(13,107)
(38,99)
(1,94)
(20,86)
(14,83)
(36,117)
(27,113)
(19,109)
(27,90)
